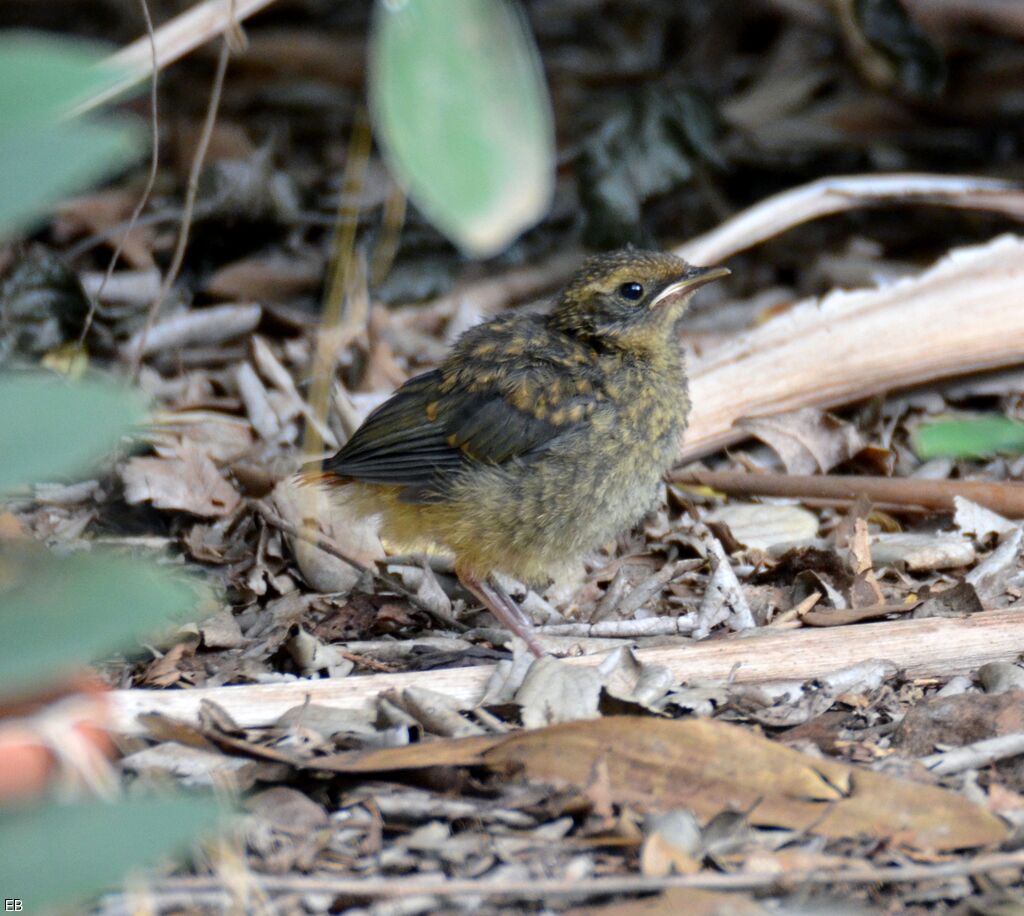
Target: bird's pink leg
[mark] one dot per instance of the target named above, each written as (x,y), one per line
(500,604)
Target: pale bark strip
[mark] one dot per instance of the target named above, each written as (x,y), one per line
(838,193)
(929,647)
(962,315)
(174,39)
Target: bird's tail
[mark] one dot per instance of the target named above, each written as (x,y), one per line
(313,475)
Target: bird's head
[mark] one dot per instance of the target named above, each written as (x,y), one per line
(629,299)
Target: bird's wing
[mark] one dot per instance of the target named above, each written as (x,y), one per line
(437,425)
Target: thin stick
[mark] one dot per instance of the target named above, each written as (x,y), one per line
(328,546)
(602,885)
(190,199)
(1005,498)
(154,162)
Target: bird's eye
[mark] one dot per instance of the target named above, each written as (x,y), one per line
(632,291)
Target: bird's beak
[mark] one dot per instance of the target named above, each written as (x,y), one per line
(694,278)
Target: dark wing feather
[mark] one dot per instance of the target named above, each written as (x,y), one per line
(429,432)
(398,443)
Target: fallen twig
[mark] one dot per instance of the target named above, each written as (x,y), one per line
(210,325)
(601,885)
(973,756)
(928,647)
(623,629)
(1003,497)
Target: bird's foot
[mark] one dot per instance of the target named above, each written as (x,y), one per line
(502,606)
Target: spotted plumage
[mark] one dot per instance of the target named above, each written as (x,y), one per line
(541,436)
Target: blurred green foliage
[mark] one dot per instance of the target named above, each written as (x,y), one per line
(461,109)
(45,152)
(973,437)
(63,612)
(57,613)
(52,427)
(53,853)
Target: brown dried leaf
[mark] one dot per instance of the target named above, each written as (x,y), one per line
(103,210)
(689,900)
(865,591)
(708,767)
(189,482)
(265,279)
(959,720)
(166,670)
(808,441)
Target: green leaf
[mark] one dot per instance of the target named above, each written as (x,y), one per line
(43,164)
(977,437)
(57,853)
(461,109)
(42,77)
(63,612)
(51,427)
(44,153)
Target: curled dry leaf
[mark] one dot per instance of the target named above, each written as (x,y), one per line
(203,326)
(627,678)
(225,439)
(188,481)
(1001,677)
(555,692)
(313,656)
(992,575)
(724,601)
(221,631)
(672,843)
(355,535)
(865,591)
(438,713)
(808,441)
(194,767)
(976,520)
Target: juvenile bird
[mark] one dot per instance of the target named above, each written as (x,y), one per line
(540,437)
